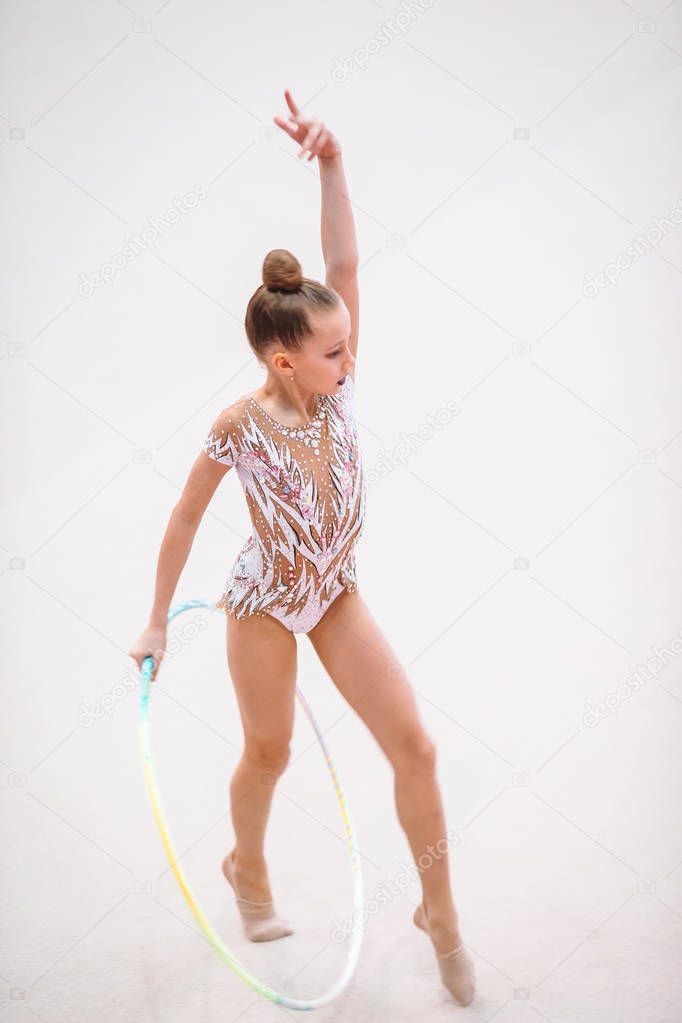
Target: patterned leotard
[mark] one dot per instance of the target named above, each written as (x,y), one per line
(305,491)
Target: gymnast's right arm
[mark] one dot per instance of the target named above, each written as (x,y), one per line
(186,516)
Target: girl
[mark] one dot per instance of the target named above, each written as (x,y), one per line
(294,443)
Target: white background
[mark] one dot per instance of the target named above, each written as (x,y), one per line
(496,154)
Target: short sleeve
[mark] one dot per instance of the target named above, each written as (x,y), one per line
(219,443)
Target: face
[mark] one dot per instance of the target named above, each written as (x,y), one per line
(325,358)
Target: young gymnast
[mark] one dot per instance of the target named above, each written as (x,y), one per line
(294,444)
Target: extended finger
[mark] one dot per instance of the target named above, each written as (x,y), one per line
(286,127)
(290,102)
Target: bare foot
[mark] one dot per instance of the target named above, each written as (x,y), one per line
(454,962)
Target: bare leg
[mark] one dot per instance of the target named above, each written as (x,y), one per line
(367,673)
(262,659)
(420,812)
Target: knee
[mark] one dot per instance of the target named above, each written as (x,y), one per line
(269,756)
(417,753)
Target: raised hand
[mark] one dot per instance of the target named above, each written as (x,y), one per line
(311,135)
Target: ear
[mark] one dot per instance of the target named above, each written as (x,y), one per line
(280,362)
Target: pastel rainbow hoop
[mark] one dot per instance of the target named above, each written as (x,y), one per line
(210,933)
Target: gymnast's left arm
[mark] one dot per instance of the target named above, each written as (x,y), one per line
(339,243)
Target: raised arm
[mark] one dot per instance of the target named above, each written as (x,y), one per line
(339,244)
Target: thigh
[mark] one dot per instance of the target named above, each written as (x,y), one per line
(368,674)
(262,660)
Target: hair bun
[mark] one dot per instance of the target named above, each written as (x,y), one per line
(282,271)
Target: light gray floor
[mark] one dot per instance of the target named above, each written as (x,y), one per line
(521,555)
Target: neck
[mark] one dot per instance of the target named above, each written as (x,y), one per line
(289,399)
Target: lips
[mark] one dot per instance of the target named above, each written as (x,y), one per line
(341,380)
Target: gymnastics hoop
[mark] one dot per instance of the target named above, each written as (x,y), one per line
(212,936)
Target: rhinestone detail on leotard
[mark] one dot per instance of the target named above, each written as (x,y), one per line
(309,434)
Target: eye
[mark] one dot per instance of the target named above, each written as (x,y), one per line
(332,355)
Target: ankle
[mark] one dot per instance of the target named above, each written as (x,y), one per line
(444,935)
(249,865)
(443,924)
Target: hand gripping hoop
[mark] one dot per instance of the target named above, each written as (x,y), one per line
(212,936)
